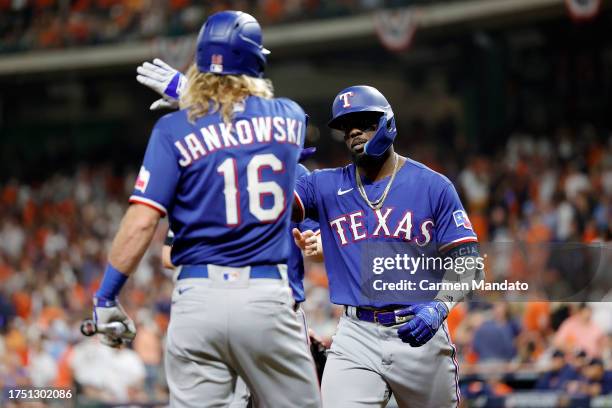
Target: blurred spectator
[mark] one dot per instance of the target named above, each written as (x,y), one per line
(551,379)
(148,345)
(572,374)
(494,339)
(107,374)
(596,380)
(27,25)
(579,332)
(42,366)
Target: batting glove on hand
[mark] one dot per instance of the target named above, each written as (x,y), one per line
(427,319)
(107,311)
(163,79)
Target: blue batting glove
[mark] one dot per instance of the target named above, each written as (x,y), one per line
(427,319)
(306,153)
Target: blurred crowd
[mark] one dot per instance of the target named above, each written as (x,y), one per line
(55,234)
(45,24)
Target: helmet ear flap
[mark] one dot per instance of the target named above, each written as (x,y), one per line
(384,136)
(390,123)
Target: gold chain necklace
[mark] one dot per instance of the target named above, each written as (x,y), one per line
(376,204)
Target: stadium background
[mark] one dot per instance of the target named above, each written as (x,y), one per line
(511,99)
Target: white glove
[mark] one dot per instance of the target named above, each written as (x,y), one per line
(163,79)
(107,311)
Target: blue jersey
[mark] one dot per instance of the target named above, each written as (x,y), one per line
(225,187)
(295,265)
(422,209)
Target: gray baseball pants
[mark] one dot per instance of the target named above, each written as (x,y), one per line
(241,391)
(368,362)
(220,330)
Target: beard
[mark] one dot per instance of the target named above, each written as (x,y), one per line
(363,160)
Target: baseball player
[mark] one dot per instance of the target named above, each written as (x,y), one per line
(380,204)
(221,169)
(169,83)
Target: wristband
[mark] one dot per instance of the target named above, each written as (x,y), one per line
(175,87)
(111,285)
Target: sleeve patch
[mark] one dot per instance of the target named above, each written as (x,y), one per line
(461,219)
(142,181)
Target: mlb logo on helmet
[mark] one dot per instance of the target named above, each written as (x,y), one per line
(461,219)
(216,63)
(143,179)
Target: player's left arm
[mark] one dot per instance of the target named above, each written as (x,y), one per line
(456,240)
(129,245)
(153,193)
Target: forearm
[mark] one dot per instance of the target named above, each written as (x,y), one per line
(467,268)
(133,238)
(166,257)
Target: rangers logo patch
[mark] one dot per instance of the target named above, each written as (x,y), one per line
(142,181)
(461,219)
(345,99)
(216,63)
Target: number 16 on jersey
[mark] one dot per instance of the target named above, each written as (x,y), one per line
(256,187)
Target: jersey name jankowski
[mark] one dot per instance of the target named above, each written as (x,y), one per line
(259,129)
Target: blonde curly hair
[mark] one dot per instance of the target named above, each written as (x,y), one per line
(222,91)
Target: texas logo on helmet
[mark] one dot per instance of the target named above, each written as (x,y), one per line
(345,98)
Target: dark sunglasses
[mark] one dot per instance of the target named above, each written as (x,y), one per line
(363,123)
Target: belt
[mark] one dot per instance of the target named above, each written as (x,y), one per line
(384,317)
(257,272)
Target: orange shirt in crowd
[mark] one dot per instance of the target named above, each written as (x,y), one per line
(64,370)
(537,316)
(23,304)
(454,319)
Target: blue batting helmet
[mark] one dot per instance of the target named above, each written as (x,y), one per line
(363,98)
(230,43)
